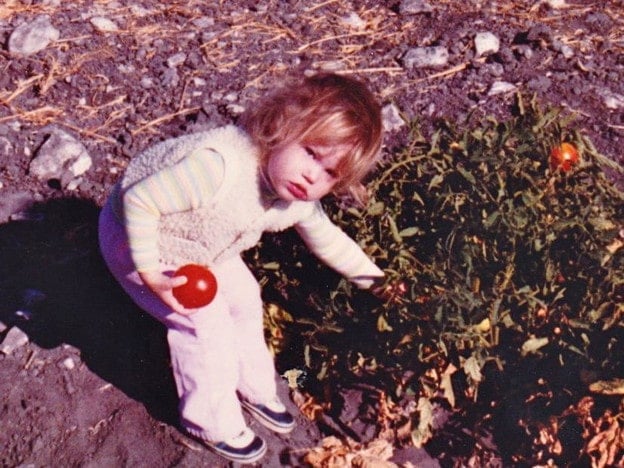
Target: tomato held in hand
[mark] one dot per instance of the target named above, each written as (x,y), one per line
(564,157)
(199,289)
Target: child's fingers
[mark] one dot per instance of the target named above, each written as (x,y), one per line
(178,281)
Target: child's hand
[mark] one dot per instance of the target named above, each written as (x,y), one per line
(161,285)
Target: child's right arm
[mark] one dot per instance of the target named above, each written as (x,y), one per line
(184,186)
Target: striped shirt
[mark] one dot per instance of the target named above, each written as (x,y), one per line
(190,183)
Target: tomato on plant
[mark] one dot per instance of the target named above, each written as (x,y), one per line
(564,157)
(199,289)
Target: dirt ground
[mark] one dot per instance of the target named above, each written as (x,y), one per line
(89,383)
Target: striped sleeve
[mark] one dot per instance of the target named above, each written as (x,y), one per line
(332,246)
(184,186)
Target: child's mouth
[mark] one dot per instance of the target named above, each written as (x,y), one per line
(297,191)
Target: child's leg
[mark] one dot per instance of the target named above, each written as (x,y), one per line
(256,366)
(203,349)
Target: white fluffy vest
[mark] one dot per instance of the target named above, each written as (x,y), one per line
(231,221)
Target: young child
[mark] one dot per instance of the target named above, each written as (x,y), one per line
(206,197)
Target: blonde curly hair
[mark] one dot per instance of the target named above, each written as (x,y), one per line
(326,109)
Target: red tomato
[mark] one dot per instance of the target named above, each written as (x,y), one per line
(564,157)
(199,289)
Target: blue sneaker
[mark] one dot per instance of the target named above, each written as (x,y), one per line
(246,447)
(272,414)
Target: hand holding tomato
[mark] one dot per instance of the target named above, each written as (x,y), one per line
(200,288)
(564,157)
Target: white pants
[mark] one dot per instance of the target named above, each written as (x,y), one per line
(215,352)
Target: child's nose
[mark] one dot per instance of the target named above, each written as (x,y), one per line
(311,174)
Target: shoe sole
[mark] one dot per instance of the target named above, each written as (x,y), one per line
(232,456)
(265,421)
(246,460)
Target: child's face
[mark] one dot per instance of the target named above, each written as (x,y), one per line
(301,171)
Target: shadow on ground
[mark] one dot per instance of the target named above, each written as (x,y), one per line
(51,271)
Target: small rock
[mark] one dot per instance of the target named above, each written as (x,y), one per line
(103,24)
(3,327)
(555,4)
(486,43)
(353,20)
(422,57)
(68,363)
(414,7)
(147,82)
(235,109)
(500,87)
(176,60)
(14,339)
(203,22)
(30,38)
(60,153)
(612,100)
(392,119)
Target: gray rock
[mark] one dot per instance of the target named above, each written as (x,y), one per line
(30,38)
(14,339)
(422,57)
(611,100)
(501,87)
(486,43)
(103,24)
(413,7)
(61,156)
(392,119)
(176,60)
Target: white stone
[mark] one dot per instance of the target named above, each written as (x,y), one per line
(176,60)
(353,20)
(14,339)
(612,100)
(500,87)
(32,37)
(486,43)
(68,363)
(60,151)
(411,7)
(103,24)
(392,119)
(556,4)
(421,57)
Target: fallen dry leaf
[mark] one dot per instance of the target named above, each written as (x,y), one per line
(339,453)
(608,387)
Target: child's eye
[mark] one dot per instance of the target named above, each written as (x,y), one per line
(332,173)
(311,152)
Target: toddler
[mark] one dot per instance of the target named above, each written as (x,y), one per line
(206,197)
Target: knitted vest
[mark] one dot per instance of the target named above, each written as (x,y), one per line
(234,219)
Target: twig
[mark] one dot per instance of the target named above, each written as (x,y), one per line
(371,70)
(330,38)
(162,119)
(89,133)
(320,5)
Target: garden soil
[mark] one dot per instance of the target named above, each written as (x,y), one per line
(84,375)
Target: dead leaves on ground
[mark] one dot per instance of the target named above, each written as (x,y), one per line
(335,453)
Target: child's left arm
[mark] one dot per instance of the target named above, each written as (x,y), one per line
(331,245)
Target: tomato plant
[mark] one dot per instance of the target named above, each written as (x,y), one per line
(200,288)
